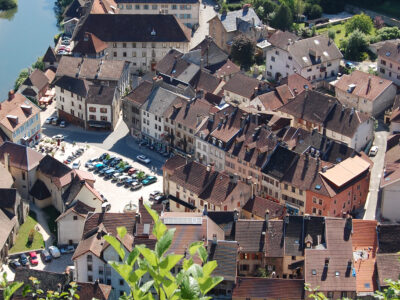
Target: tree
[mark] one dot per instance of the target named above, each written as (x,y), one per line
(355,45)
(21,78)
(264,9)
(313,11)
(38,64)
(298,9)
(7,4)
(242,51)
(332,7)
(193,281)
(283,18)
(59,8)
(388,33)
(361,22)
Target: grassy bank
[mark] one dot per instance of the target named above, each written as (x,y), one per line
(22,243)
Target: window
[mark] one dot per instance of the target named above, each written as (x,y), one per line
(146,6)
(314,210)
(103,118)
(137,6)
(90,278)
(174,6)
(90,267)
(343,294)
(272,58)
(92,109)
(123,45)
(293,257)
(143,45)
(293,189)
(383,62)
(124,54)
(314,272)
(101,270)
(330,295)
(134,54)
(75,218)
(121,282)
(23,176)
(144,54)
(121,293)
(114,45)
(89,258)
(285,186)
(289,57)
(103,110)
(309,70)
(153,45)
(301,192)
(115,54)
(154,6)
(320,201)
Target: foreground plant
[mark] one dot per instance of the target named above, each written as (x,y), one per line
(192,282)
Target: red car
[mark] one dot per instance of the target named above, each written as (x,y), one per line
(132,171)
(33,258)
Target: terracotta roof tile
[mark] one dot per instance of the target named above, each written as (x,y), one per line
(242,85)
(59,173)
(258,206)
(225,253)
(93,290)
(249,235)
(282,39)
(140,94)
(388,267)
(227,69)
(21,157)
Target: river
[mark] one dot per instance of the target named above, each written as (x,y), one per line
(25,34)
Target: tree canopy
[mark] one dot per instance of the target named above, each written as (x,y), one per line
(355,45)
(283,18)
(7,4)
(361,22)
(242,51)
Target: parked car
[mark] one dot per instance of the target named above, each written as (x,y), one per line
(104,170)
(33,258)
(149,180)
(99,166)
(67,161)
(373,151)
(15,264)
(128,182)
(46,256)
(67,249)
(135,185)
(154,194)
(109,161)
(23,259)
(76,164)
(116,176)
(160,198)
(54,251)
(349,65)
(63,124)
(54,121)
(89,162)
(123,178)
(58,137)
(143,159)
(127,168)
(103,157)
(109,173)
(132,171)
(49,120)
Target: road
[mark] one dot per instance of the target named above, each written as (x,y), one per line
(373,199)
(207,12)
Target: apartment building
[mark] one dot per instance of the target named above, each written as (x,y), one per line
(192,186)
(145,40)
(20,120)
(365,92)
(388,61)
(187,11)
(313,58)
(312,110)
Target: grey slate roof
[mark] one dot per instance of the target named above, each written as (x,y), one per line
(159,100)
(323,47)
(231,19)
(40,190)
(75,85)
(99,94)
(225,253)
(136,28)
(6,226)
(279,162)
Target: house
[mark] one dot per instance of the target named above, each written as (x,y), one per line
(250,236)
(145,41)
(11,202)
(93,253)
(182,121)
(330,266)
(9,227)
(255,288)
(395,116)
(22,163)
(312,110)
(35,85)
(74,217)
(388,61)
(188,12)
(49,281)
(365,92)
(387,259)
(96,71)
(314,58)
(226,220)
(289,87)
(225,253)
(89,46)
(20,119)
(50,59)
(241,89)
(226,26)
(131,107)
(390,180)
(274,249)
(227,70)
(191,186)
(256,208)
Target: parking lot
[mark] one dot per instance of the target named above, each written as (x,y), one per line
(117,195)
(57,265)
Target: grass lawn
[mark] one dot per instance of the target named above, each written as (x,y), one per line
(21,243)
(52,214)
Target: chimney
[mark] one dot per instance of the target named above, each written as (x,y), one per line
(267,216)
(369,85)
(11,95)
(208,168)
(7,161)
(137,218)
(215,242)
(72,175)
(235,215)
(205,212)
(233,178)
(211,117)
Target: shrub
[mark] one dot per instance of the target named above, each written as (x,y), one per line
(361,22)
(388,33)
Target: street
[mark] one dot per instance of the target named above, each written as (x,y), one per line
(207,12)
(372,204)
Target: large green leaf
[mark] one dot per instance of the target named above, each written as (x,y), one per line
(146,286)
(132,257)
(11,289)
(168,262)
(116,245)
(196,271)
(209,284)
(187,263)
(202,254)
(121,231)
(126,272)
(209,267)
(148,254)
(164,242)
(189,288)
(152,213)
(194,246)
(159,229)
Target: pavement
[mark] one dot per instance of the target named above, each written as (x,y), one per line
(372,205)
(207,12)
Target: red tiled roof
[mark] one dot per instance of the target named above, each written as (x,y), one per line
(258,206)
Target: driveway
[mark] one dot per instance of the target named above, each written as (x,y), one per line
(372,205)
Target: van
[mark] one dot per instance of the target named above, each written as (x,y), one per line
(122,179)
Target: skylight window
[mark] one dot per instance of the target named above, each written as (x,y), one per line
(318,187)
(314,272)
(305,59)
(316,42)
(325,53)
(337,273)
(388,53)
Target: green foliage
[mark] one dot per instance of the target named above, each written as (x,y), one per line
(332,7)
(38,64)
(264,8)
(361,22)
(331,34)
(312,11)
(140,175)
(282,18)
(7,4)
(391,292)
(8,288)
(21,78)
(57,37)
(59,8)
(194,281)
(242,51)
(388,33)
(354,45)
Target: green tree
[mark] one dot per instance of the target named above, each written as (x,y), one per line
(59,8)
(194,281)
(140,175)
(313,11)
(242,51)
(388,33)
(298,9)
(21,78)
(264,8)
(331,34)
(361,22)
(283,18)
(38,64)
(331,7)
(355,45)
(7,4)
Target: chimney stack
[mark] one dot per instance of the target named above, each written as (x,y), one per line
(267,215)
(7,161)
(205,212)
(11,95)
(215,239)
(235,215)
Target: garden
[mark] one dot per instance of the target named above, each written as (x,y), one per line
(28,237)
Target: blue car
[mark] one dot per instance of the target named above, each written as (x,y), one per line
(149,180)
(23,259)
(104,170)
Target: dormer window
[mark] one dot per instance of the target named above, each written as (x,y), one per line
(314,272)
(337,273)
